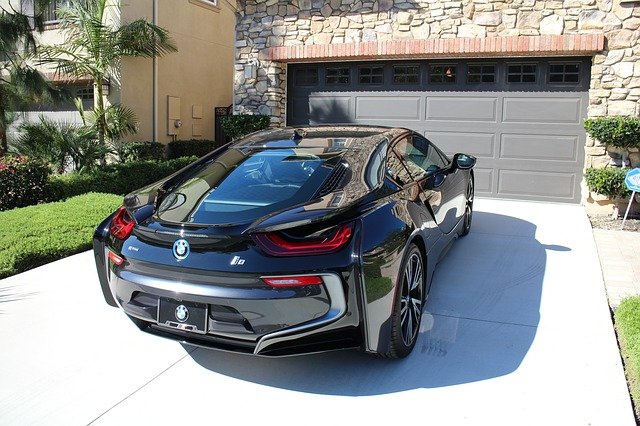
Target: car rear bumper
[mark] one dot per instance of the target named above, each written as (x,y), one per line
(243,313)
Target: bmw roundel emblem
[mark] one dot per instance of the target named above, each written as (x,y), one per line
(182,313)
(181,249)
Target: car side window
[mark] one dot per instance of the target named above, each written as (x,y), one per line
(419,156)
(396,170)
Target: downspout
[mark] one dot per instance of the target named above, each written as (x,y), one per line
(154,101)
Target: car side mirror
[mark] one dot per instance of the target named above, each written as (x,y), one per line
(463,161)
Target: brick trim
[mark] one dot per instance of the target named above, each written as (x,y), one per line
(544,45)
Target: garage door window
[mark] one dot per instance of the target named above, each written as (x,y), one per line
(337,75)
(522,73)
(406,74)
(442,74)
(371,75)
(481,73)
(306,77)
(564,73)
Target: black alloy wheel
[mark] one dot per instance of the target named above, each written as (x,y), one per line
(407,312)
(468,211)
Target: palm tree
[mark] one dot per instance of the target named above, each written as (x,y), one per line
(20,84)
(93,47)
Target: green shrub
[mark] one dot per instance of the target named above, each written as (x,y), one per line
(140,151)
(120,178)
(627,321)
(32,236)
(619,131)
(608,181)
(236,126)
(23,181)
(191,147)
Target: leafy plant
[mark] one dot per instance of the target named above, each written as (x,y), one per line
(618,131)
(21,84)
(94,45)
(607,181)
(236,126)
(140,151)
(23,181)
(119,178)
(60,144)
(191,147)
(32,236)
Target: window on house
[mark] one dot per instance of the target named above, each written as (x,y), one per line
(306,76)
(371,75)
(442,73)
(522,73)
(337,75)
(406,74)
(481,73)
(564,73)
(50,11)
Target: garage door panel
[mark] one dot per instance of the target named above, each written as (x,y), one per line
(483,180)
(330,109)
(461,109)
(521,183)
(540,147)
(529,139)
(480,145)
(388,107)
(541,110)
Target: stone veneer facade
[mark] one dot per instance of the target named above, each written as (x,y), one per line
(270,33)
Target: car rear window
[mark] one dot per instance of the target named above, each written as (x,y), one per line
(244,184)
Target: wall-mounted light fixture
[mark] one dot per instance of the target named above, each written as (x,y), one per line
(106,87)
(251,70)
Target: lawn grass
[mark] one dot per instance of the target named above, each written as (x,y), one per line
(35,235)
(627,321)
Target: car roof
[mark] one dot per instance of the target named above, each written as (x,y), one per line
(356,139)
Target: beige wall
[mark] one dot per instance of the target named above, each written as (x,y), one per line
(200,73)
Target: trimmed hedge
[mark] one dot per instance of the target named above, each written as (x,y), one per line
(236,126)
(115,178)
(607,181)
(141,151)
(191,147)
(619,131)
(35,235)
(23,181)
(627,322)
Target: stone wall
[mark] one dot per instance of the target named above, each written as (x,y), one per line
(261,24)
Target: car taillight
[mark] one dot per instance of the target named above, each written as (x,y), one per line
(277,244)
(121,224)
(293,281)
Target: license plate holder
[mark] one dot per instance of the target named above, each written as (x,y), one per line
(181,315)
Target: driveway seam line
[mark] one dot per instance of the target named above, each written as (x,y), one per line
(141,387)
(483,320)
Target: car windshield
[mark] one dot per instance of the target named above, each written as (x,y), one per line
(244,184)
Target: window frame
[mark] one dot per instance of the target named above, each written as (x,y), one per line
(405,75)
(522,73)
(372,75)
(338,76)
(481,74)
(305,70)
(564,73)
(444,81)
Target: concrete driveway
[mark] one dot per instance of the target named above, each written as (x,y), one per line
(517,331)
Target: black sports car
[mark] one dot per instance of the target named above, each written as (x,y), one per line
(290,241)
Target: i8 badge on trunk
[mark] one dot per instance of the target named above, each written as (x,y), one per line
(181,249)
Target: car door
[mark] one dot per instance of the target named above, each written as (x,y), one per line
(438,181)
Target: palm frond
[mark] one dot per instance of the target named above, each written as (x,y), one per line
(144,39)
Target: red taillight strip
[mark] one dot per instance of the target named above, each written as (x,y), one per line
(291,281)
(276,245)
(117,260)
(121,224)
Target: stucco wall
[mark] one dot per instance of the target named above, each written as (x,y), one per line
(200,73)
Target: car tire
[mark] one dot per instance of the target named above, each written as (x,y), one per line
(468,211)
(408,303)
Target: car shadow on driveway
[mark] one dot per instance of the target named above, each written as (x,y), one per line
(479,322)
